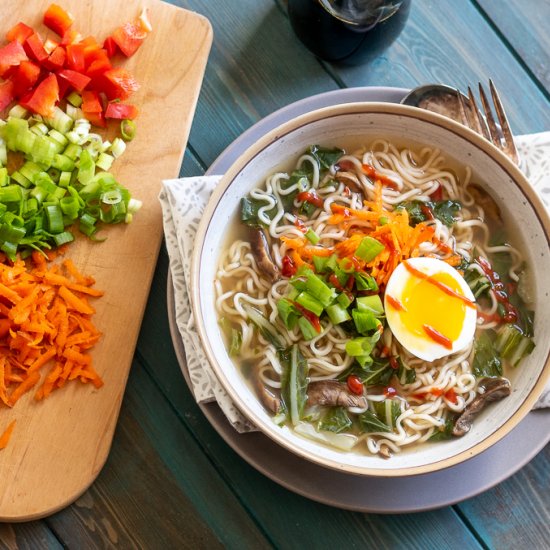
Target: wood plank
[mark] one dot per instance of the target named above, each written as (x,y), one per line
(516,513)
(273,507)
(28,536)
(75,426)
(157,490)
(524,23)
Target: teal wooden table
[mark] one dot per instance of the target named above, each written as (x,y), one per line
(170,480)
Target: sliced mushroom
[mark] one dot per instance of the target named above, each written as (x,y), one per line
(384,451)
(260,250)
(268,398)
(485,201)
(333,394)
(495,389)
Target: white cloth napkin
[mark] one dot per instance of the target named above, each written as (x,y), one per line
(183,201)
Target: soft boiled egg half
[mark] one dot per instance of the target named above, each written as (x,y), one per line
(430,308)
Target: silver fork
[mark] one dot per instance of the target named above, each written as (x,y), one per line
(500,135)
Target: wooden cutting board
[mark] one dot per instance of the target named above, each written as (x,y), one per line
(59,445)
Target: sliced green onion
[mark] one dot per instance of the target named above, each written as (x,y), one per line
(118,147)
(21,179)
(364,321)
(305,299)
(63,238)
(60,121)
(311,236)
(4,177)
(54,218)
(128,130)
(337,314)
(74,99)
(320,290)
(86,167)
(104,161)
(368,249)
(371,303)
(308,330)
(17,111)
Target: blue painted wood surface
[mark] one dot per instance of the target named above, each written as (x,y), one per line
(171,481)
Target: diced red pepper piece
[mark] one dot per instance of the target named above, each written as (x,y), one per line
(129,37)
(44,97)
(110,46)
(50,45)
(6,94)
(97,119)
(121,111)
(11,55)
(117,83)
(56,60)
(98,68)
(35,48)
(75,57)
(76,80)
(19,32)
(71,37)
(96,55)
(57,19)
(25,77)
(91,102)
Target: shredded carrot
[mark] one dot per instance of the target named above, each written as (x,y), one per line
(391,228)
(46,330)
(5,437)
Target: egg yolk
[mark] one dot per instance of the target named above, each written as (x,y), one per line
(426,304)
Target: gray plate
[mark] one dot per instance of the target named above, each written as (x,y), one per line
(364,494)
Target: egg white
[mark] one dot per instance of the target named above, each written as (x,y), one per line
(421,347)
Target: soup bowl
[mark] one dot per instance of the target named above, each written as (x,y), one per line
(522,210)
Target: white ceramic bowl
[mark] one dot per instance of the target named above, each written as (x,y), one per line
(520,206)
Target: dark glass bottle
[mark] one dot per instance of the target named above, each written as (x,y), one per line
(348,31)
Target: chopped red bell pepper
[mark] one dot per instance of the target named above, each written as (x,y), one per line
(91,102)
(98,67)
(96,57)
(19,32)
(50,45)
(57,19)
(70,37)
(25,77)
(117,83)
(35,48)
(44,97)
(130,36)
(110,46)
(75,57)
(97,119)
(11,55)
(76,80)
(6,94)
(56,60)
(121,111)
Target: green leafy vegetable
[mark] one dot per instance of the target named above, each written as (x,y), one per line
(267,330)
(250,208)
(294,382)
(326,157)
(444,432)
(487,361)
(420,211)
(335,420)
(370,423)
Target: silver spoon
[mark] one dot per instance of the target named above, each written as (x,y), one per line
(437,98)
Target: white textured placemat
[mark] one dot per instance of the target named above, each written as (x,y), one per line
(183,201)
